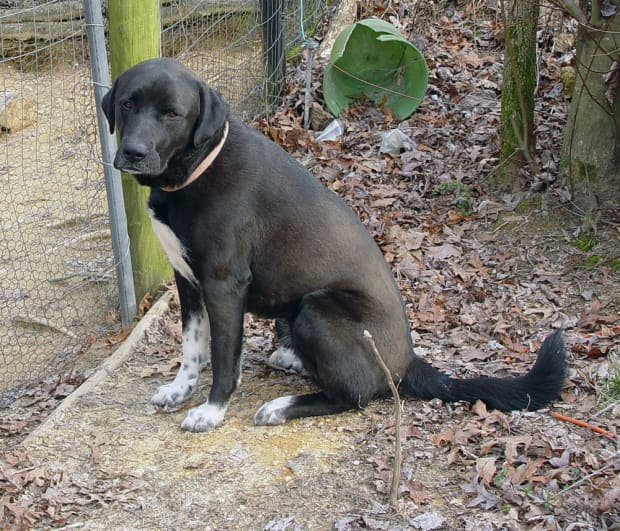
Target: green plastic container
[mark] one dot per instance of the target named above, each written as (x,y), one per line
(372,59)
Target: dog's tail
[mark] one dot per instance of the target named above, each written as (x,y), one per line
(531,391)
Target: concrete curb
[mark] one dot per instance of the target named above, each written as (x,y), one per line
(109,366)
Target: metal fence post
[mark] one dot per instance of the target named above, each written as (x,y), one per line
(272,31)
(114,190)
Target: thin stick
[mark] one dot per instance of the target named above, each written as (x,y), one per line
(586,478)
(46,323)
(397,444)
(606,408)
(584,424)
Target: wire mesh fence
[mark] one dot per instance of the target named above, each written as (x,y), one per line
(239,46)
(56,269)
(57,288)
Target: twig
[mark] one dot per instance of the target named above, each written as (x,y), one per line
(46,323)
(606,408)
(374,85)
(9,480)
(92,235)
(585,478)
(584,424)
(71,526)
(572,9)
(499,227)
(397,444)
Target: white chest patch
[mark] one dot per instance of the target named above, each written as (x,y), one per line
(176,253)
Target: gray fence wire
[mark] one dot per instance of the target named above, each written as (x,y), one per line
(58,291)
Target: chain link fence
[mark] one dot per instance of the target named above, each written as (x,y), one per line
(58,291)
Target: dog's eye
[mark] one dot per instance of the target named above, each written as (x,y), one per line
(172,114)
(127,105)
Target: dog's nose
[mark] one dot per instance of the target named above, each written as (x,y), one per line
(135,150)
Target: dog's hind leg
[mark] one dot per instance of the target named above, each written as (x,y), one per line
(285,408)
(328,336)
(284,356)
(195,349)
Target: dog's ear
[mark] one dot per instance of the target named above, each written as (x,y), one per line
(212,115)
(107,104)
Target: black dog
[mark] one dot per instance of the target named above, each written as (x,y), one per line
(248,229)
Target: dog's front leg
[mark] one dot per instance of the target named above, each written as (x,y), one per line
(226,320)
(196,335)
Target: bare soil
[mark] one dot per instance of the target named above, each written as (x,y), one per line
(111,461)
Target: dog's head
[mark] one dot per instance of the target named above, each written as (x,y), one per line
(162,112)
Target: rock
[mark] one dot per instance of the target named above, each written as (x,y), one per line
(16,112)
(319,117)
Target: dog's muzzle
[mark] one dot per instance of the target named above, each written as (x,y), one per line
(138,158)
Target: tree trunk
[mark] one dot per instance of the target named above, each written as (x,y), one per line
(591,151)
(134,37)
(516,128)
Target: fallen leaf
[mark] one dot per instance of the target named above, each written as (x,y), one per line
(117,337)
(95,454)
(427,521)
(443,252)
(281,524)
(482,497)
(145,304)
(167,368)
(417,493)
(409,268)
(383,202)
(610,501)
(590,319)
(480,408)
(525,472)
(442,439)
(562,461)
(512,443)
(474,354)
(485,468)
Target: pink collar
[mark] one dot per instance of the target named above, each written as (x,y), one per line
(208,160)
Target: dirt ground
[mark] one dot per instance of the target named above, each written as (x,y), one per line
(111,461)
(240,476)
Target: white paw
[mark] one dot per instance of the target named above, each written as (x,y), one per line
(203,418)
(274,412)
(172,395)
(285,358)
